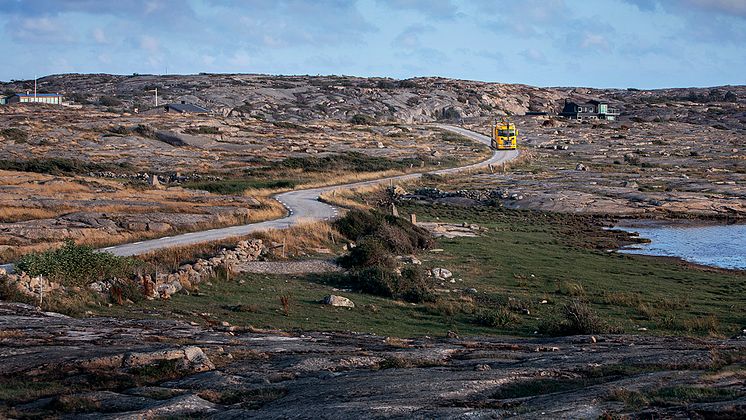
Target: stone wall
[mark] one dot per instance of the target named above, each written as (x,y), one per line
(161,285)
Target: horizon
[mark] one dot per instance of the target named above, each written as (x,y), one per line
(644,44)
(11,81)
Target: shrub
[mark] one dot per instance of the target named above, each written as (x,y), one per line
(349,161)
(397,234)
(372,263)
(109,101)
(76,265)
(496,318)
(15,134)
(411,285)
(368,252)
(60,166)
(203,129)
(575,317)
(360,119)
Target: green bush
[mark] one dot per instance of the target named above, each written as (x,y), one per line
(397,234)
(60,166)
(373,268)
(349,161)
(238,186)
(76,265)
(575,317)
(369,252)
(411,285)
(496,318)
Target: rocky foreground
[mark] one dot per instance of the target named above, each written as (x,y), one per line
(51,365)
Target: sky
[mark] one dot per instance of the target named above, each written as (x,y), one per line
(598,43)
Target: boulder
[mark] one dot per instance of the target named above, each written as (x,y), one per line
(441,273)
(335,300)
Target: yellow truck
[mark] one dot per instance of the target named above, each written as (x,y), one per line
(504,135)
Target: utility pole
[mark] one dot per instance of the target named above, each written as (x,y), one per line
(34,88)
(156,96)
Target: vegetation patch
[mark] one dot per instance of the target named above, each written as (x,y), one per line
(372,263)
(76,265)
(673,396)
(61,166)
(239,186)
(17,135)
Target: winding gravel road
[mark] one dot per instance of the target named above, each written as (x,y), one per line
(301,205)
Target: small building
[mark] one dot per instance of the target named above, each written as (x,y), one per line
(3,100)
(41,98)
(591,110)
(185,108)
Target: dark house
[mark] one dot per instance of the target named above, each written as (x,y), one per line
(591,110)
(185,108)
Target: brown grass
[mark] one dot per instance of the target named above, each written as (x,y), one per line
(303,238)
(306,237)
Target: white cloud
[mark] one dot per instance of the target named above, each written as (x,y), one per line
(99,36)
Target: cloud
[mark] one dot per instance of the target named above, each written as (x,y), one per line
(39,30)
(435,9)
(160,9)
(409,38)
(706,21)
(731,8)
(534,56)
(99,36)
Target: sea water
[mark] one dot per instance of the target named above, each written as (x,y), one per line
(717,245)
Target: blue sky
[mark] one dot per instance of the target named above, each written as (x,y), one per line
(599,43)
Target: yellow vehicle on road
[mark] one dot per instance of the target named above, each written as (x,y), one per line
(504,135)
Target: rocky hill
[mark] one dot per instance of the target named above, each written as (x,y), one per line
(298,98)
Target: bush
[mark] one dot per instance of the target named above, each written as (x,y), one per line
(350,161)
(369,252)
(398,235)
(373,268)
(60,166)
(203,129)
(411,285)
(76,265)
(575,317)
(109,101)
(360,119)
(496,318)
(15,134)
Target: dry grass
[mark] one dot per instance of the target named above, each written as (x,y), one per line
(20,214)
(354,198)
(302,238)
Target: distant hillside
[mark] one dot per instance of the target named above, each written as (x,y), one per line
(298,98)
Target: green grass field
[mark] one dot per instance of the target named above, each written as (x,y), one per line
(523,259)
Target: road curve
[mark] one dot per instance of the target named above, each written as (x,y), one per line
(301,205)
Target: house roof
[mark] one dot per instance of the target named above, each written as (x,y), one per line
(38,94)
(187,108)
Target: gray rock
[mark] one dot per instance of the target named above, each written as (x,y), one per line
(335,300)
(441,273)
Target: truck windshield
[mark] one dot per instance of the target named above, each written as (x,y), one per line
(506,133)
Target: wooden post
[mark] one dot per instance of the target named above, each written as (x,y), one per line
(41,290)
(413,218)
(283,247)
